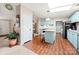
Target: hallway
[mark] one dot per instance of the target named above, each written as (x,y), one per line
(60,47)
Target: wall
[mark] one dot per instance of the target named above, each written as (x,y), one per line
(18,9)
(6,14)
(26,24)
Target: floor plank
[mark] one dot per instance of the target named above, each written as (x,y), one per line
(59,47)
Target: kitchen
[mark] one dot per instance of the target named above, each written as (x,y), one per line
(69,31)
(48,29)
(53,27)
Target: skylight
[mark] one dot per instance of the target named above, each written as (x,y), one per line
(60,8)
(56,5)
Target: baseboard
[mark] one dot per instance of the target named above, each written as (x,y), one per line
(27,41)
(3,35)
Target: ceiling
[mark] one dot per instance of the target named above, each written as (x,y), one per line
(40,9)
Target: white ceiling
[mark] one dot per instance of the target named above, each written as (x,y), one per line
(40,9)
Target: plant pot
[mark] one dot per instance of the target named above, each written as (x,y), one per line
(12,42)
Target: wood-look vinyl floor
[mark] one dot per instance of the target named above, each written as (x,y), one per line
(59,47)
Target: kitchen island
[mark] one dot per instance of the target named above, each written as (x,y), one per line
(49,35)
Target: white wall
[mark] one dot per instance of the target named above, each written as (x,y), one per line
(26,24)
(6,14)
(18,10)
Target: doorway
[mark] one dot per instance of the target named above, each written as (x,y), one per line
(59,29)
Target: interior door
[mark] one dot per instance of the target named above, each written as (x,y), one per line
(26,29)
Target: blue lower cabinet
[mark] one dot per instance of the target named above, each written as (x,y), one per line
(49,36)
(69,35)
(78,42)
(72,37)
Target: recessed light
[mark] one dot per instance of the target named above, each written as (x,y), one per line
(48,11)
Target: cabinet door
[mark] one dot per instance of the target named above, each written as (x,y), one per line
(78,41)
(49,37)
(69,35)
(74,39)
(75,17)
(72,20)
(42,22)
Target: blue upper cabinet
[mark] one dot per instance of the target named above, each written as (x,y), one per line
(74,17)
(42,22)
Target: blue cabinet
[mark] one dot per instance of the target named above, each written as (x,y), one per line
(50,36)
(74,17)
(69,36)
(42,22)
(72,37)
(47,23)
(78,41)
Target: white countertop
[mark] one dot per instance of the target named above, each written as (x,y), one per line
(77,31)
(49,30)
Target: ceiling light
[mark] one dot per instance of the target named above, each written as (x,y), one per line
(47,19)
(60,8)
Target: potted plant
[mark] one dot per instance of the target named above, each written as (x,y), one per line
(12,39)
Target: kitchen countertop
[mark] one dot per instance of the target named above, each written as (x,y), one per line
(74,31)
(49,30)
